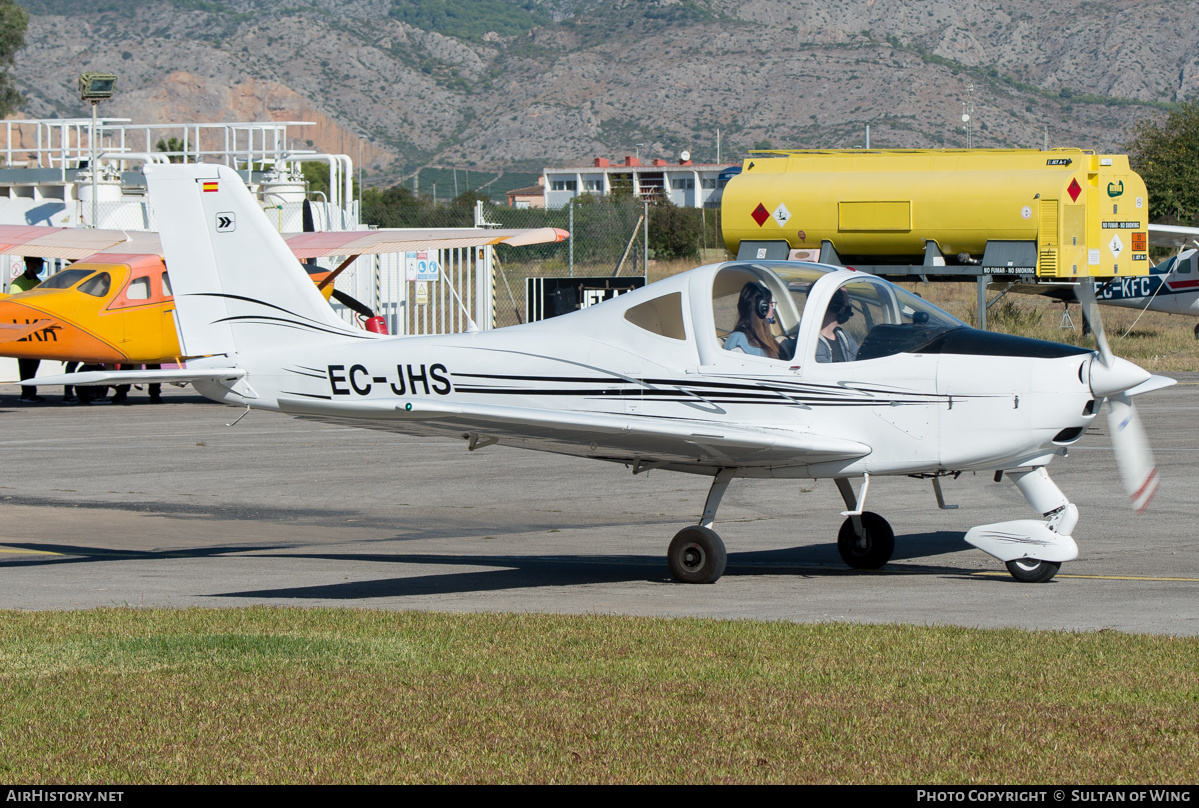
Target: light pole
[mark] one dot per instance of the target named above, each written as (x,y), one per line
(94,88)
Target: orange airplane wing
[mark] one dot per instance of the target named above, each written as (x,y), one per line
(74,243)
(373,242)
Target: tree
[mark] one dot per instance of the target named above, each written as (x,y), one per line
(316,174)
(467,199)
(394,207)
(674,232)
(13,22)
(1166,155)
(172,145)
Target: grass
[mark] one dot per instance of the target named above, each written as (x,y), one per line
(286,695)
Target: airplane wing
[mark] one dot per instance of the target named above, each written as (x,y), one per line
(372,242)
(11,332)
(1168,235)
(653,441)
(73,243)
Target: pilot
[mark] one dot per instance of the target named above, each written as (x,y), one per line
(835,345)
(755,314)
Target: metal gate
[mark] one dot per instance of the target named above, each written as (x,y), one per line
(427,292)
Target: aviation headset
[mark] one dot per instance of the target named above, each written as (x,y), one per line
(764,300)
(841,306)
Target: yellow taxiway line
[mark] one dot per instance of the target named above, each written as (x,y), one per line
(1107,577)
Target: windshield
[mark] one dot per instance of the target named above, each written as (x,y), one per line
(65,279)
(869,318)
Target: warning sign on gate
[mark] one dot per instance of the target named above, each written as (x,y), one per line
(421,266)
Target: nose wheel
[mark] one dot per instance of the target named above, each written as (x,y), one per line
(1032,571)
(869,548)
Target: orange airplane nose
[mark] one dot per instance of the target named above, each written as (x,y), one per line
(27,333)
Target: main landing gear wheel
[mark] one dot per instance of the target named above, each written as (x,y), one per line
(870,550)
(696,555)
(1032,571)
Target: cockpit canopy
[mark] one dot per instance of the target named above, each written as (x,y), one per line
(845,317)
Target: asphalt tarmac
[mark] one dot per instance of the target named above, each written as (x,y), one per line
(144,505)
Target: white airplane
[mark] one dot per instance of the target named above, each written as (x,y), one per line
(649,379)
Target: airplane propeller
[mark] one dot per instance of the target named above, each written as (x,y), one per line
(1111,378)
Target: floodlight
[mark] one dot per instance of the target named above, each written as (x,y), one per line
(96,86)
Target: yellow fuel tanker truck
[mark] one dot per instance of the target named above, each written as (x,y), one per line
(1061,213)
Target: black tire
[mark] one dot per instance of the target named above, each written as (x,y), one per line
(696,555)
(870,551)
(89,393)
(1197,332)
(1032,571)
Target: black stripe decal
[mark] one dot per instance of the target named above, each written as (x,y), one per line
(306,395)
(299,326)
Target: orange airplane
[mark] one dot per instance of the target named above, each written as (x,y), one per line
(114,304)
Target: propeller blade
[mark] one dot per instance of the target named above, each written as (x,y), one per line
(353,304)
(309,226)
(1090,310)
(1134,458)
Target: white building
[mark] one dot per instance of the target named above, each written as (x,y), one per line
(685,184)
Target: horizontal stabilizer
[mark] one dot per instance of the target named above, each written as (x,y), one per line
(180,376)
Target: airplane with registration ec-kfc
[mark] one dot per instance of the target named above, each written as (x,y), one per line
(654,379)
(1171,287)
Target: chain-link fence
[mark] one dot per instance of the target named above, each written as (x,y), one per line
(608,240)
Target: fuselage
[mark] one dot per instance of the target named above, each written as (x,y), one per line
(1171,287)
(109,309)
(926,393)
(116,310)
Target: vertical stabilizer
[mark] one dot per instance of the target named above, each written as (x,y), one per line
(237,286)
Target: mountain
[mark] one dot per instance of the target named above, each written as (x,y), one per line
(518,84)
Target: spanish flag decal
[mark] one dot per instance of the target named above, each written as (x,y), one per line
(210,186)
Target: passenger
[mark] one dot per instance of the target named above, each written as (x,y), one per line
(835,345)
(755,314)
